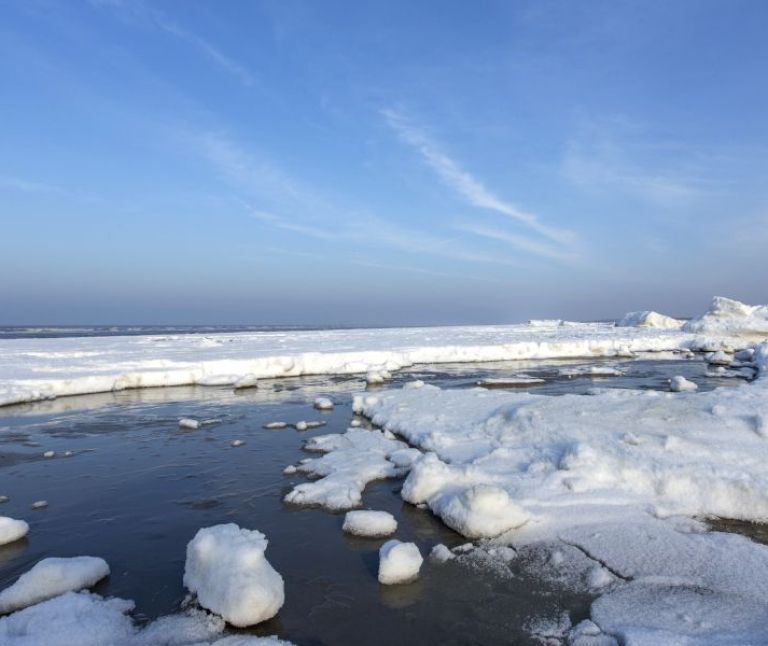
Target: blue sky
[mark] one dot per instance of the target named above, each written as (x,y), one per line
(389,162)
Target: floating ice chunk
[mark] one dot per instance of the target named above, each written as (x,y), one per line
(369,523)
(355,423)
(680,384)
(186,422)
(12,529)
(40,504)
(236,443)
(440,554)
(290,470)
(49,454)
(650,319)
(68,454)
(247,381)
(375,377)
(718,358)
(315,424)
(4,499)
(227,569)
(301,426)
(323,403)
(399,562)
(416,383)
(591,371)
(51,577)
(276,425)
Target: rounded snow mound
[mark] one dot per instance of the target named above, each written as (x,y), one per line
(12,529)
(369,523)
(481,511)
(399,562)
(728,316)
(650,319)
(50,578)
(227,569)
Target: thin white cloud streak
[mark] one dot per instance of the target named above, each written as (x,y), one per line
(465,184)
(521,243)
(313,215)
(616,156)
(141,13)
(372,230)
(590,169)
(27,186)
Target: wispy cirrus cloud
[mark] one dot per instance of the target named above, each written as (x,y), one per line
(521,243)
(610,156)
(27,185)
(314,215)
(464,183)
(136,11)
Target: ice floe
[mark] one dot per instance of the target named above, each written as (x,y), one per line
(323,403)
(187,423)
(11,529)
(399,562)
(50,578)
(228,571)
(351,461)
(680,384)
(369,523)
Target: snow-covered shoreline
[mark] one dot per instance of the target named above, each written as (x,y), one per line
(39,369)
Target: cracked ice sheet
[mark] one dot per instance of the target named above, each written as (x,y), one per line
(616,475)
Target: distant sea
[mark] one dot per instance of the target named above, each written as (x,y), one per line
(63,331)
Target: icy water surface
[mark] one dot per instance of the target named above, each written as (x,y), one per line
(137,488)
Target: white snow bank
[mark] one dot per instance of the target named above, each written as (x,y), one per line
(352,460)
(729,317)
(51,577)
(680,384)
(85,619)
(614,475)
(227,569)
(650,319)
(399,562)
(12,529)
(37,369)
(369,523)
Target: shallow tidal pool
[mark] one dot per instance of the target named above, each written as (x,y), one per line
(136,488)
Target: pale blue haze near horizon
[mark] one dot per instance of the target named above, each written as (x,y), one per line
(380,162)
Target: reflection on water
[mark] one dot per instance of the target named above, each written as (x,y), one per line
(136,489)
